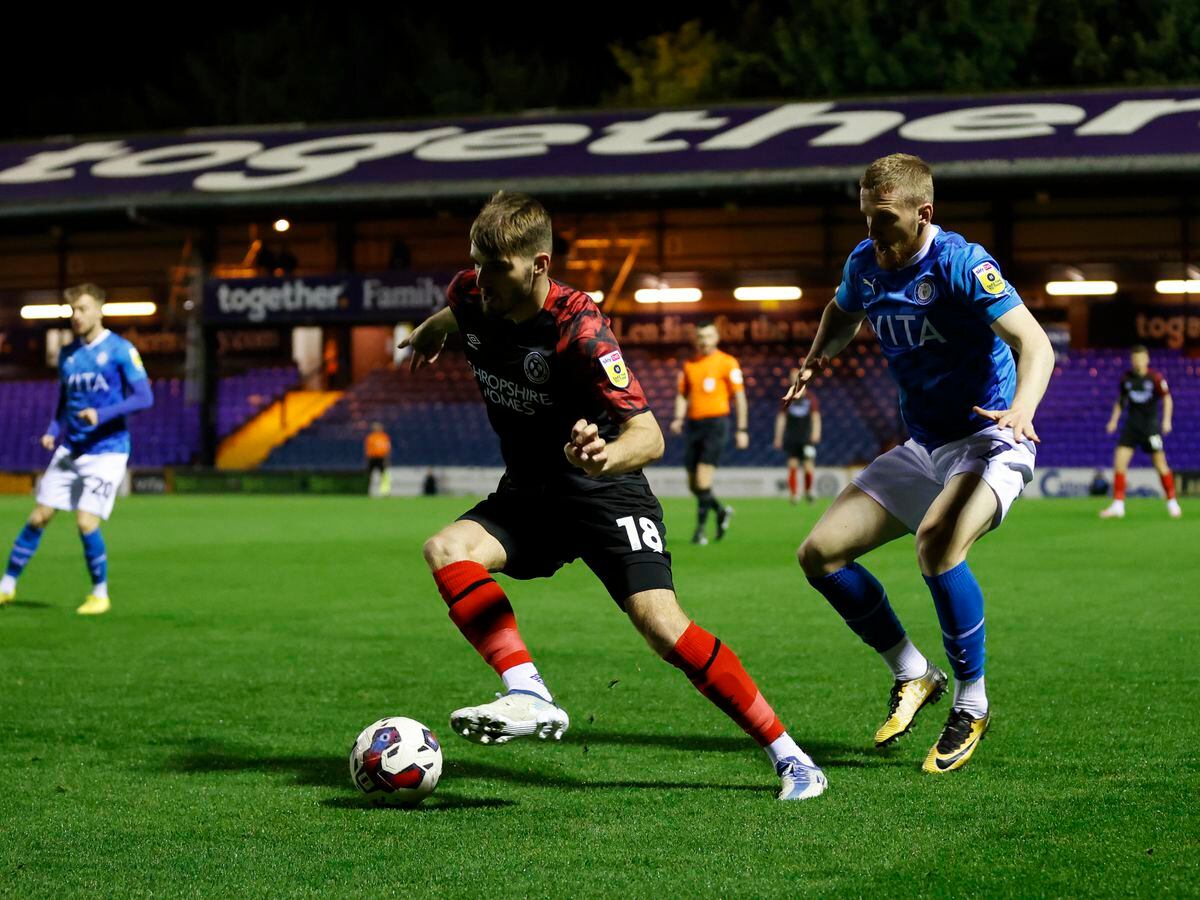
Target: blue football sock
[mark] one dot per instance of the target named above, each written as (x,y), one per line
(959,603)
(96,556)
(23,549)
(861,600)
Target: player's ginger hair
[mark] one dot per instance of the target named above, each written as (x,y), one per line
(900,173)
(512,224)
(74,293)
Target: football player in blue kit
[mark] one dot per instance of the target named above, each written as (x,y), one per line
(101,381)
(949,326)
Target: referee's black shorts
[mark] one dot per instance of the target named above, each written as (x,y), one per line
(706,441)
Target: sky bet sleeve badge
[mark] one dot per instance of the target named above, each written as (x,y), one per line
(614,367)
(989,277)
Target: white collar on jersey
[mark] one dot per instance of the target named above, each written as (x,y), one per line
(103,334)
(924,251)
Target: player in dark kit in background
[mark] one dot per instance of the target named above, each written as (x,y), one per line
(797,433)
(575,431)
(1141,389)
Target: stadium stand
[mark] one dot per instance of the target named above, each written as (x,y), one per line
(164,435)
(435,416)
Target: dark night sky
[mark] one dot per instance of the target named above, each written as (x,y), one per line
(80,72)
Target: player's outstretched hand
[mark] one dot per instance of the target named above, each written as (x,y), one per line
(586,449)
(677,426)
(1018,420)
(426,341)
(808,371)
(742,440)
(48,442)
(1166,428)
(89,415)
(1110,428)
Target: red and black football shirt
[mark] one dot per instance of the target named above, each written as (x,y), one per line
(1139,396)
(540,376)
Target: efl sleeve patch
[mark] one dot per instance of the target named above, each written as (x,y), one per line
(136,359)
(989,278)
(735,376)
(614,368)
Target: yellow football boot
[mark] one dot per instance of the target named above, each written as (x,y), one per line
(960,737)
(94,606)
(909,698)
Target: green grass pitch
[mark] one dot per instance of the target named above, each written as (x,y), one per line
(193,741)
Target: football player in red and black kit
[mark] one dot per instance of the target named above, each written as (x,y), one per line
(1141,389)
(575,431)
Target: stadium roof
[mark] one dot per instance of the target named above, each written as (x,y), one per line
(720,147)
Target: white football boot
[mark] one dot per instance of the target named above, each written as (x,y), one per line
(799,780)
(512,715)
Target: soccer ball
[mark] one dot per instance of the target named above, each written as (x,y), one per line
(396,762)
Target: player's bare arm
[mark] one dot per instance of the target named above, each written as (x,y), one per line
(639,444)
(681,406)
(780,424)
(1168,410)
(815,436)
(836,331)
(1111,427)
(1021,331)
(428,339)
(742,408)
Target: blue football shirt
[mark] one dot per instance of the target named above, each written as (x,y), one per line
(98,375)
(933,320)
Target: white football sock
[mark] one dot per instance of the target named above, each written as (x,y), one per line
(8,584)
(905,660)
(971,696)
(783,747)
(100,590)
(525,677)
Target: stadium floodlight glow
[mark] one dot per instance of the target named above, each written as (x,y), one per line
(46,311)
(133,308)
(1178,286)
(767,292)
(668,295)
(597,296)
(63,310)
(281,225)
(1080,288)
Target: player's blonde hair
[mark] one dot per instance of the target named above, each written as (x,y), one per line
(901,173)
(73,293)
(512,224)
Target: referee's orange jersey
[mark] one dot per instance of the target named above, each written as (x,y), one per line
(378,445)
(708,382)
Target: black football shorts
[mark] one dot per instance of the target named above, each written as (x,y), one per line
(1151,442)
(706,441)
(615,527)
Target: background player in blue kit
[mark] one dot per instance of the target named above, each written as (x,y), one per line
(949,325)
(101,381)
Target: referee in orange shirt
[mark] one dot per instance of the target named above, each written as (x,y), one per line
(706,383)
